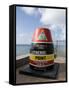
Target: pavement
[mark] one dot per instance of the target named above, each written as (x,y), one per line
(25,79)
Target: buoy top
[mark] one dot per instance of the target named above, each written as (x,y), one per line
(42,35)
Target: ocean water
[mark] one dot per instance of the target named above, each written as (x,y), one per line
(22,49)
(60,50)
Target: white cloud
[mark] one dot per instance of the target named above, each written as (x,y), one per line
(52,16)
(23,38)
(55,20)
(58,33)
(28,10)
(48,16)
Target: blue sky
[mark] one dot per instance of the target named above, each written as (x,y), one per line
(28,19)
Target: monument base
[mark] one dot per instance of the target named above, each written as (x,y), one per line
(47,73)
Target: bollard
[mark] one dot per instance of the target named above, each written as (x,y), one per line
(42,50)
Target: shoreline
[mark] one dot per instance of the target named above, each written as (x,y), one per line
(21,56)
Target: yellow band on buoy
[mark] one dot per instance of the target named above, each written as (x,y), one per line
(42,57)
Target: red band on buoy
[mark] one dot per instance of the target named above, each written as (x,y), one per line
(43,63)
(42,35)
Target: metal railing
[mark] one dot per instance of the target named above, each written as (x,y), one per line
(60,48)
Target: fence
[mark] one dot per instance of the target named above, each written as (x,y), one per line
(60,48)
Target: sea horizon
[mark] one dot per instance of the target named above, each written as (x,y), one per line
(24,49)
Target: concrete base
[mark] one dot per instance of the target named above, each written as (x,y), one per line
(48,73)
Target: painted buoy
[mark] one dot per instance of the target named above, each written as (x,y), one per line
(42,49)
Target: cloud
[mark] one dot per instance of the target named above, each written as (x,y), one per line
(52,16)
(55,20)
(48,16)
(23,38)
(28,10)
(58,33)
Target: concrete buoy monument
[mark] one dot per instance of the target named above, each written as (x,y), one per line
(41,58)
(42,49)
